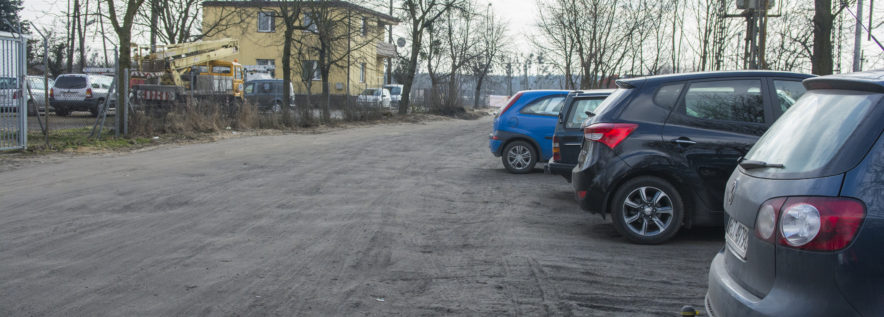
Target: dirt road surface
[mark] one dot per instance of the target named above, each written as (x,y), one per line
(390,220)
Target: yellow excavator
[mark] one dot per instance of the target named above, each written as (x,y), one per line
(172,72)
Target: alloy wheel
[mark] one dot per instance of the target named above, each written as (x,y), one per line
(647,211)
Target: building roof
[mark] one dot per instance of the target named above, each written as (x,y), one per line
(334,3)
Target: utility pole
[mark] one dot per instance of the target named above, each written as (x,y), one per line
(756,13)
(858,37)
(390,40)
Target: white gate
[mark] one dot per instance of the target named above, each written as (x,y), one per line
(13,114)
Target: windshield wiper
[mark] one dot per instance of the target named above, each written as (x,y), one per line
(750,164)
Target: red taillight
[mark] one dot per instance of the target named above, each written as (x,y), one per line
(88,92)
(15,94)
(610,134)
(510,103)
(811,223)
(51,92)
(557,155)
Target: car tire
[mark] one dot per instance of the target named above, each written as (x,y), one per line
(96,109)
(277,107)
(32,108)
(645,203)
(519,157)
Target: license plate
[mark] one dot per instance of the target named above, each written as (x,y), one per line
(737,238)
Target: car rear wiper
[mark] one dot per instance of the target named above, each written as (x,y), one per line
(750,164)
(589,113)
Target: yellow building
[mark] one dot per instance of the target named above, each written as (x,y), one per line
(260,26)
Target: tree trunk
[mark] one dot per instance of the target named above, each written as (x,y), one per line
(287,70)
(123,64)
(411,68)
(822,61)
(478,89)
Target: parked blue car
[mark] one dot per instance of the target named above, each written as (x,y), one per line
(523,129)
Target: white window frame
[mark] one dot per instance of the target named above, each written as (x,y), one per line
(317,75)
(362,72)
(265,27)
(364,26)
(309,24)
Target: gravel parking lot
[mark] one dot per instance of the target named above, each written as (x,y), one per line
(406,219)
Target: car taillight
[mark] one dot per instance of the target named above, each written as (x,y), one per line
(766,221)
(810,223)
(15,94)
(51,92)
(557,155)
(610,134)
(88,92)
(509,104)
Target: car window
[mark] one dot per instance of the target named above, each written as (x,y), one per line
(787,92)
(667,95)
(36,83)
(221,69)
(70,82)
(545,106)
(250,88)
(811,133)
(578,111)
(731,100)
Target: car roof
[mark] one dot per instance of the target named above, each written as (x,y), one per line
(872,81)
(593,92)
(638,81)
(267,80)
(543,92)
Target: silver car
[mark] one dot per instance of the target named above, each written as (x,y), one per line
(37,93)
(79,92)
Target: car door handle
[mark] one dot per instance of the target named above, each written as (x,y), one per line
(684,141)
(548,137)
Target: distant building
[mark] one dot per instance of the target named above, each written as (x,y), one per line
(258,27)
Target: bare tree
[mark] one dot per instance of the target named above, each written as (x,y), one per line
(491,43)
(123,28)
(335,33)
(419,15)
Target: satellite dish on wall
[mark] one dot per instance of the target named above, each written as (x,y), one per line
(401,42)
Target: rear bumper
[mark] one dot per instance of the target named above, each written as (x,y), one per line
(84,105)
(559,168)
(594,182)
(494,145)
(725,297)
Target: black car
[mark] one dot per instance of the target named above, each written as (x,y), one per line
(805,210)
(658,152)
(568,136)
(267,94)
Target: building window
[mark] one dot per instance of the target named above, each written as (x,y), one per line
(364,27)
(309,22)
(362,73)
(311,70)
(266,22)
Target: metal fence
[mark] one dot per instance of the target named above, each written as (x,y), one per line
(13,123)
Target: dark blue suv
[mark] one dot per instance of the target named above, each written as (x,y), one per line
(805,210)
(523,130)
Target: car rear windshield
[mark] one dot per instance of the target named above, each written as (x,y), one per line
(8,83)
(70,82)
(812,133)
(615,98)
(395,90)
